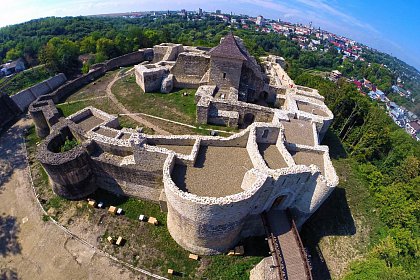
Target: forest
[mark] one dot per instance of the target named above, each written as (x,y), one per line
(384,156)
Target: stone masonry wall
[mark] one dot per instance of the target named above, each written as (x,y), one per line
(25,97)
(225,73)
(189,69)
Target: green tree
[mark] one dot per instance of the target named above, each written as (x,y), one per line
(60,55)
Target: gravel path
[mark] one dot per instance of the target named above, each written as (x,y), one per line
(124,110)
(31,248)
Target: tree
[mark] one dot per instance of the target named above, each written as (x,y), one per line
(60,55)
(88,45)
(106,47)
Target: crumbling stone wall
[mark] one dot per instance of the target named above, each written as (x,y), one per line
(44,114)
(70,172)
(189,69)
(149,77)
(166,52)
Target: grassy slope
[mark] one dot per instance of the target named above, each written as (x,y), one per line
(346,225)
(25,79)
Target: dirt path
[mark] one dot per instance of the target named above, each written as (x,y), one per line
(124,110)
(29,247)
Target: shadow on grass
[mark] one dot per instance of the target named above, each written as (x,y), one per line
(333,142)
(108,198)
(333,218)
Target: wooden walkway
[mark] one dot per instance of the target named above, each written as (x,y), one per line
(286,247)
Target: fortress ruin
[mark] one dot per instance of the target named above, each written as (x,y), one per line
(214,189)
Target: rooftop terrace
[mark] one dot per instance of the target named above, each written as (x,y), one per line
(89,122)
(272,156)
(308,158)
(217,172)
(299,132)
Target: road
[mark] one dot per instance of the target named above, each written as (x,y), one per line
(29,247)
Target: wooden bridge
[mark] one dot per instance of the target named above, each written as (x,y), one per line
(289,257)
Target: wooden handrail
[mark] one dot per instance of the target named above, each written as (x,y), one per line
(278,254)
(300,244)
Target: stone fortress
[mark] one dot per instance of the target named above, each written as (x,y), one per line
(214,189)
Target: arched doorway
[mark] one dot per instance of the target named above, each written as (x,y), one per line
(264,95)
(248,119)
(278,201)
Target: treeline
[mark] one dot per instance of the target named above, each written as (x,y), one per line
(58,42)
(388,160)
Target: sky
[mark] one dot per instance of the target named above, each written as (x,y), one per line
(389,26)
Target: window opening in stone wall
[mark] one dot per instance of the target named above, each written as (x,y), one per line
(224,75)
(265,133)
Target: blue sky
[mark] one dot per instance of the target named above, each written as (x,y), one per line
(389,26)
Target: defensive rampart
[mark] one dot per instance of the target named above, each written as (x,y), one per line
(25,97)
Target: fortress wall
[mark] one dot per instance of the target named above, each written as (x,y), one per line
(159,52)
(310,197)
(70,172)
(254,155)
(45,115)
(179,140)
(109,171)
(149,80)
(129,59)
(125,188)
(189,69)
(112,148)
(25,97)
(206,225)
(237,140)
(261,114)
(267,134)
(69,88)
(279,72)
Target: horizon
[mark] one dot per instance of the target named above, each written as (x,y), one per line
(393,38)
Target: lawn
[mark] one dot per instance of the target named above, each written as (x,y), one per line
(94,89)
(104,104)
(174,106)
(346,224)
(25,79)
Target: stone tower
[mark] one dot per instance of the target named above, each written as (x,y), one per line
(226,64)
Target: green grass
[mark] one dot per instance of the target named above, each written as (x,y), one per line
(346,225)
(25,79)
(69,144)
(174,106)
(126,121)
(68,109)
(104,104)
(158,237)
